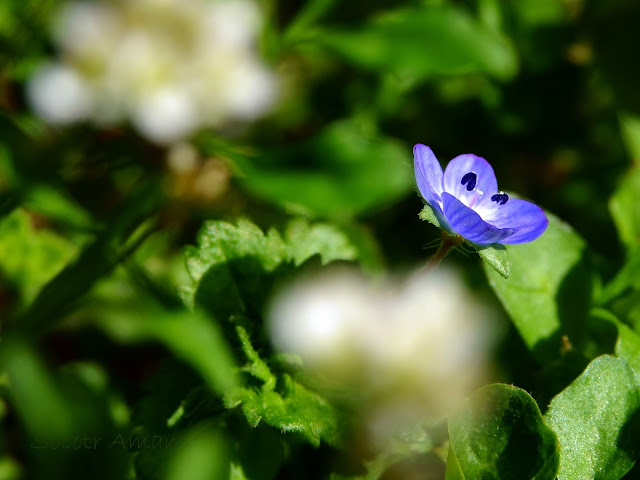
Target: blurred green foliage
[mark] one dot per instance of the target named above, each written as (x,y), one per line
(132,293)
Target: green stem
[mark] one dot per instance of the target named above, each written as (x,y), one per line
(449,242)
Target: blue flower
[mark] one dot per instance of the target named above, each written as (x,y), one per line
(466,200)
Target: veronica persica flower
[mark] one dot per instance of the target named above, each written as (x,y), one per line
(467,202)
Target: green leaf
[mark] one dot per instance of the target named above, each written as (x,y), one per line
(496,257)
(500,433)
(29,258)
(128,229)
(21,54)
(540,13)
(234,266)
(259,452)
(57,205)
(10,469)
(190,335)
(429,41)
(304,241)
(295,409)
(626,343)
(291,408)
(428,214)
(231,267)
(630,129)
(339,173)
(596,420)
(201,454)
(624,209)
(626,279)
(548,292)
(36,394)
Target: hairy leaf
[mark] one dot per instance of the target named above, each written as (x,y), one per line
(596,420)
(500,433)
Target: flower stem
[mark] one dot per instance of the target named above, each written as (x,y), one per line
(448,243)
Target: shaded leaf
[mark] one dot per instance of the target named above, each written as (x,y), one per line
(499,433)
(234,265)
(31,382)
(624,209)
(339,173)
(201,454)
(613,25)
(626,341)
(418,43)
(190,335)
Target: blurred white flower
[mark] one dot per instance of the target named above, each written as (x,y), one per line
(409,350)
(169,66)
(59,94)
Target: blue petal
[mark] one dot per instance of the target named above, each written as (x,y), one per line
(527,218)
(470,225)
(428,176)
(485,185)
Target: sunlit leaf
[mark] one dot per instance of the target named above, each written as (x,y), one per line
(291,407)
(496,257)
(29,258)
(548,291)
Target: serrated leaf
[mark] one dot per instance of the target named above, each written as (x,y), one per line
(292,408)
(304,241)
(596,421)
(499,433)
(296,409)
(220,242)
(496,256)
(231,267)
(234,265)
(548,292)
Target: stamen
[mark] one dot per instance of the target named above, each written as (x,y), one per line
(469,179)
(501,198)
(475,198)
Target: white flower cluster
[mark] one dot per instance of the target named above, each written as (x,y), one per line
(409,350)
(169,66)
